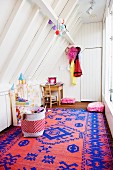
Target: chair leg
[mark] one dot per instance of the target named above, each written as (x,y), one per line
(50,104)
(57,101)
(44,102)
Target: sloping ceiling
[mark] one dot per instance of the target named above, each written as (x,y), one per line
(28,43)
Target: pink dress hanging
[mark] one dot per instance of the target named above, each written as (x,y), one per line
(72,53)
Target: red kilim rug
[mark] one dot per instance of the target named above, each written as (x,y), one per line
(72,140)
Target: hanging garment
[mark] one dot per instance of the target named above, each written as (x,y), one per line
(73,79)
(71,52)
(77,70)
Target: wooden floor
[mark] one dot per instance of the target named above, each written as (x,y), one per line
(76,105)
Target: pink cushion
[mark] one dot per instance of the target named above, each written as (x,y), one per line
(68,100)
(95,107)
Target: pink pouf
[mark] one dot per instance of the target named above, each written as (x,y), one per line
(68,100)
(95,107)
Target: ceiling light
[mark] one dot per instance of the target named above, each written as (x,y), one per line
(90,9)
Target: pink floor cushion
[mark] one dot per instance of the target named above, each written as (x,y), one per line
(95,107)
(68,100)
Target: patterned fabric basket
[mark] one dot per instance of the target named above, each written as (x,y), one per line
(33,124)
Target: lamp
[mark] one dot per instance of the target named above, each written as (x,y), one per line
(90,9)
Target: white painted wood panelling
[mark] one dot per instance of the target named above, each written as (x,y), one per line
(89,36)
(24,39)
(109,113)
(74,14)
(103,59)
(70,5)
(21,45)
(91,78)
(61,5)
(63,74)
(6,8)
(40,54)
(8,110)
(31,44)
(29,55)
(16,8)
(15,30)
(51,58)
(33,55)
(75,26)
(50,2)
(5,110)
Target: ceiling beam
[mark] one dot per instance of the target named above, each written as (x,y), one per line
(49,12)
(69,7)
(14,53)
(18,6)
(73,17)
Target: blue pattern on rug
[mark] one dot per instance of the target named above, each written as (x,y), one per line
(73,140)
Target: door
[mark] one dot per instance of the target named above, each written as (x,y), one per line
(91,78)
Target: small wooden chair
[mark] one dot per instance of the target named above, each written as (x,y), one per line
(47,96)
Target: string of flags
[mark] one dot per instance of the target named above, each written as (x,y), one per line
(60,28)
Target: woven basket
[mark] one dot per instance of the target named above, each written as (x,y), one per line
(33,124)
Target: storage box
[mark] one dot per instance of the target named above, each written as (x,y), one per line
(33,124)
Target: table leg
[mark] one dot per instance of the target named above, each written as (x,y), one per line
(61,93)
(59,97)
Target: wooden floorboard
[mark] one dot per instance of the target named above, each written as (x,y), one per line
(76,105)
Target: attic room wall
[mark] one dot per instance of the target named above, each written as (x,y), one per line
(33,49)
(29,40)
(16,30)
(88,36)
(50,59)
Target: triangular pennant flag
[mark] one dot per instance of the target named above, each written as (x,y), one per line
(21,77)
(12,87)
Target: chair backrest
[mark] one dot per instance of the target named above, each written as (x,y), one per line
(46,90)
(48,98)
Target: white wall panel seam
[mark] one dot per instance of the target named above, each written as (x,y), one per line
(5,37)
(15,50)
(42,59)
(47,65)
(50,61)
(28,56)
(40,53)
(49,54)
(17,6)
